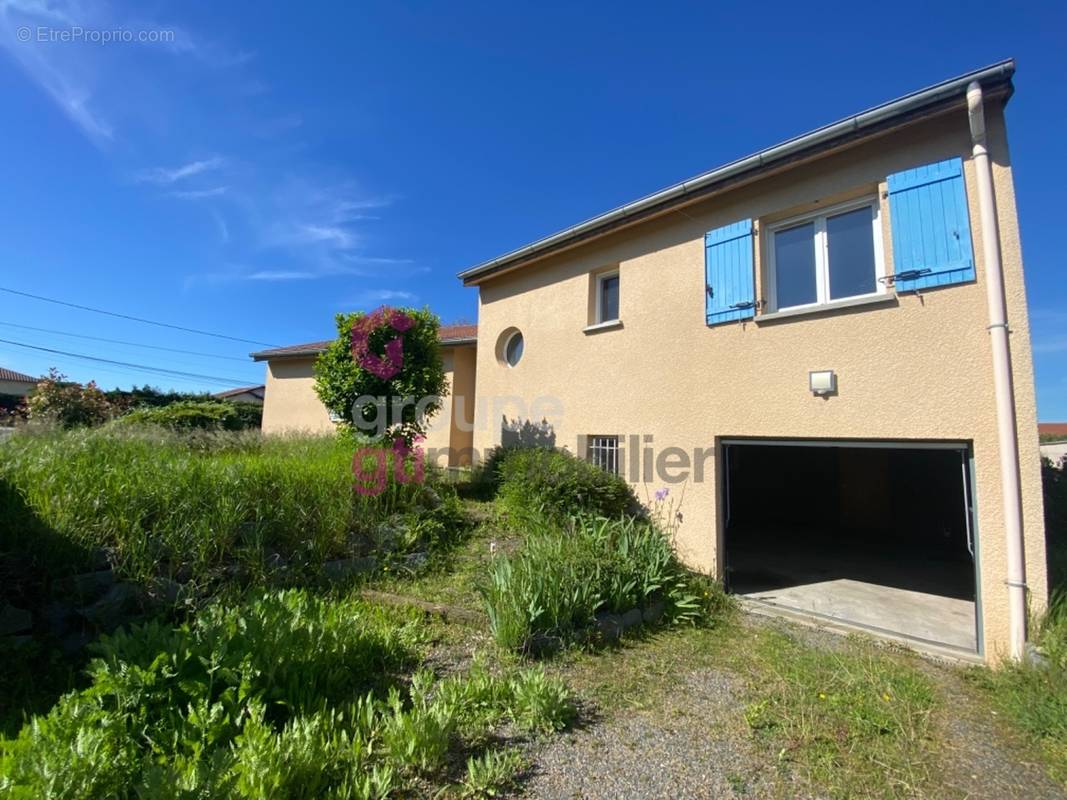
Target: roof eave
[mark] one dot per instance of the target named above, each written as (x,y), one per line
(996,79)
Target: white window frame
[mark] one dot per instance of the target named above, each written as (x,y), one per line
(507,346)
(822,254)
(603,451)
(603,276)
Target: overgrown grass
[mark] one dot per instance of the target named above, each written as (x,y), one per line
(285,696)
(561,577)
(856,721)
(202,505)
(1034,694)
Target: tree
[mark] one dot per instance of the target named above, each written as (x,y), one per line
(67,403)
(384,374)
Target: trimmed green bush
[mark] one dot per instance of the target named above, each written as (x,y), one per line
(556,583)
(207,415)
(284,696)
(553,484)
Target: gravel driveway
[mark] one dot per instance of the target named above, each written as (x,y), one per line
(696,745)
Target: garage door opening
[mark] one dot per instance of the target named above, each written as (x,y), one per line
(869,534)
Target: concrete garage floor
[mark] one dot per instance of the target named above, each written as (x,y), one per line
(872,590)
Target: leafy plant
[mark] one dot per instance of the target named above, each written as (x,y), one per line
(210,415)
(340,380)
(491,772)
(562,576)
(66,403)
(538,483)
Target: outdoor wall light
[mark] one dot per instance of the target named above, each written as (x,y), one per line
(822,383)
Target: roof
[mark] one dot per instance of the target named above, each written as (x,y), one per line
(451,335)
(258,391)
(994,79)
(1052,428)
(18,377)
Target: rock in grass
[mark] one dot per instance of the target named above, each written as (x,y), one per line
(14,620)
(113,608)
(346,567)
(57,618)
(654,612)
(609,625)
(88,584)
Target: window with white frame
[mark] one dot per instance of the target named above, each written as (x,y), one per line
(603,452)
(834,254)
(607,297)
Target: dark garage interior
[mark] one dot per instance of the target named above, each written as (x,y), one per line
(877,536)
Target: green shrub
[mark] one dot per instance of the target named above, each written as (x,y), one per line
(286,695)
(208,415)
(205,506)
(536,482)
(490,773)
(61,402)
(555,584)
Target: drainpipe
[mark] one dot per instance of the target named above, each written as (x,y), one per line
(1002,381)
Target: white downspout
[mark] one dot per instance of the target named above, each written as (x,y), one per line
(1002,381)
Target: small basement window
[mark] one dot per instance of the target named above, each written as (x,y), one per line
(607,297)
(604,453)
(819,258)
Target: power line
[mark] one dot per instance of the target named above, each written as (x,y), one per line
(135,319)
(143,367)
(120,341)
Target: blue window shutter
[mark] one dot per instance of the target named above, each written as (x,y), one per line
(931,228)
(730,291)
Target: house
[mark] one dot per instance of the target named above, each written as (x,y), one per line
(1053,437)
(290,402)
(15,384)
(245,394)
(808,349)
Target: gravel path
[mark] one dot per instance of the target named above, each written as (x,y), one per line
(695,746)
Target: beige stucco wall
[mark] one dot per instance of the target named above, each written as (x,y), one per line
(16,388)
(290,403)
(917,368)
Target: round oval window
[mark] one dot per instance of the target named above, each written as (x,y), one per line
(513,349)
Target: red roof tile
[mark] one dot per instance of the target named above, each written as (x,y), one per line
(11,375)
(449,334)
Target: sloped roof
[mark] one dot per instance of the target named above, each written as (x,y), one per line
(450,335)
(258,391)
(11,375)
(995,79)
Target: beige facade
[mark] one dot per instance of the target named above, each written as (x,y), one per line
(17,388)
(291,405)
(910,368)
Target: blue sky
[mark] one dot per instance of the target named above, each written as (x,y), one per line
(265,167)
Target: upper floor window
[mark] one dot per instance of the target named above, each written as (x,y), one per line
(607,297)
(831,255)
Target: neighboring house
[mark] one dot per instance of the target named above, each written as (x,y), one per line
(1053,441)
(246,394)
(798,346)
(15,384)
(290,402)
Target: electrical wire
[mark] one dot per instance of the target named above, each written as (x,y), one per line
(134,319)
(243,360)
(143,367)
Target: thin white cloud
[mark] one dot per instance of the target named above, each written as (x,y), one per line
(330,234)
(200,194)
(374,296)
(280,275)
(163,176)
(1051,344)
